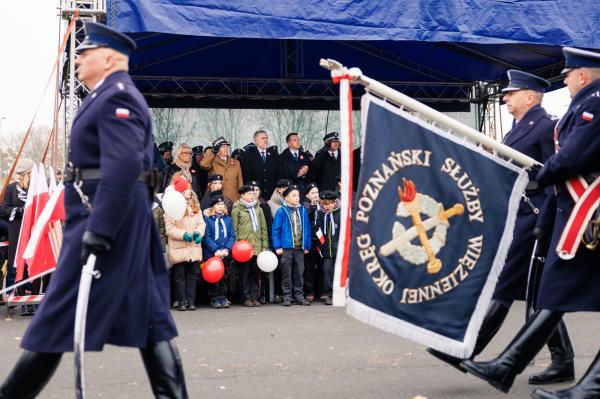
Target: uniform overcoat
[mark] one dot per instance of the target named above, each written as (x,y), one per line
(533,137)
(573,285)
(129,303)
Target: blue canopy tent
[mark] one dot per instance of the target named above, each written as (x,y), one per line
(264,53)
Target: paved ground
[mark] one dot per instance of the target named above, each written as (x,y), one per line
(297,352)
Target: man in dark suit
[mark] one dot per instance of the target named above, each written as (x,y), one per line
(108,209)
(327,166)
(296,163)
(531,134)
(570,278)
(261,164)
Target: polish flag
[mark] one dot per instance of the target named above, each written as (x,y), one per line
(320,236)
(38,188)
(44,245)
(26,224)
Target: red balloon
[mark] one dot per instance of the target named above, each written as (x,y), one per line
(242,251)
(213,270)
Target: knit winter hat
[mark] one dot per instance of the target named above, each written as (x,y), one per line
(181,184)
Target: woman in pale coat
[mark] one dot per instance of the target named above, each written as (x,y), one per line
(218,161)
(185,250)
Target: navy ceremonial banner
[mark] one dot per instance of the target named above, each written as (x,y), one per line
(432,225)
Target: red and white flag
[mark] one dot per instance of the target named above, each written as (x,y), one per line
(321,236)
(44,245)
(37,197)
(26,225)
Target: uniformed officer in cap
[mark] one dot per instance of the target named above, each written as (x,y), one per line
(569,281)
(215,187)
(531,134)
(327,163)
(166,150)
(108,210)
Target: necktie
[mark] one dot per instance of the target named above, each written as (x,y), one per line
(296,156)
(263,155)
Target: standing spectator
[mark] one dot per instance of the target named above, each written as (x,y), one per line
(327,163)
(218,240)
(329,229)
(12,211)
(313,263)
(275,202)
(166,152)
(249,224)
(261,164)
(276,199)
(264,205)
(199,174)
(217,161)
(182,162)
(291,240)
(296,163)
(215,187)
(185,252)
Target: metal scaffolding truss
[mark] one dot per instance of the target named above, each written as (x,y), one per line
(199,89)
(73,90)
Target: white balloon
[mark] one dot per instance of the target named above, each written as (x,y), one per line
(267,261)
(173,203)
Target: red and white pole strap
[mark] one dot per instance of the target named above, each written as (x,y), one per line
(343,76)
(587,200)
(4,244)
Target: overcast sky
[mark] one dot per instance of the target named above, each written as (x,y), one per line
(30,40)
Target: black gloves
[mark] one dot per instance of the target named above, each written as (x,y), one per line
(93,244)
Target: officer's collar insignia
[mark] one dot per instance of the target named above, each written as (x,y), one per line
(94,94)
(120,86)
(412,205)
(530,123)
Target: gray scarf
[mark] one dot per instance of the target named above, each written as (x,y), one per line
(250,207)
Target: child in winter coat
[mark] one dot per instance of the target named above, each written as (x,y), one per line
(313,261)
(328,233)
(291,240)
(185,250)
(249,224)
(218,240)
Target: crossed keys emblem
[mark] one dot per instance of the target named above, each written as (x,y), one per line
(413,204)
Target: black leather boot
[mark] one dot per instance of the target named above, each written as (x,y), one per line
(587,388)
(501,372)
(163,366)
(30,375)
(562,368)
(492,322)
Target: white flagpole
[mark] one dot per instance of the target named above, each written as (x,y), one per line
(402,100)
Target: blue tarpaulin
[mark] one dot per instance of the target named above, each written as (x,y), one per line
(234,51)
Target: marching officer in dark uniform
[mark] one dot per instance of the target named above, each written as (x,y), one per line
(569,281)
(327,166)
(531,134)
(108,207)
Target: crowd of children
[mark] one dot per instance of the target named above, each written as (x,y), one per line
(300,227)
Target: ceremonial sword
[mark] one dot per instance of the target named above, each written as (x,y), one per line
(83,296)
